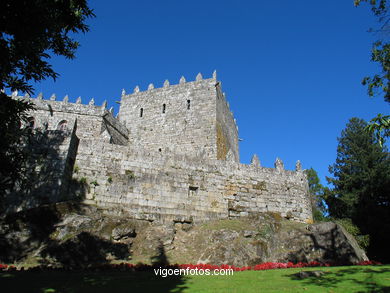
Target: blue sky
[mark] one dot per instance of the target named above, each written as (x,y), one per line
(291,70)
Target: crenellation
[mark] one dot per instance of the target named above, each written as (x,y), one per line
(255,161)
(171,154)
(298,166)
(279,166)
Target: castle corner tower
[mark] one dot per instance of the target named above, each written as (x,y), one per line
(191,118)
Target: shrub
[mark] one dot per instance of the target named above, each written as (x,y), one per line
(362,240)
(94,183)
(130,174)
(83,180)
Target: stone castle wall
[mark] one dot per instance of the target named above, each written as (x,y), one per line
(152,186)
(182,118)
(48,178)
(93,121)
(226,129)
(170,155)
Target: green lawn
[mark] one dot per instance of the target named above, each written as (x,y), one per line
(338,279)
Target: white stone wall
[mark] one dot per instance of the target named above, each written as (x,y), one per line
(92,121)
(153,186)
(180,165)
(226,129)
(186,126)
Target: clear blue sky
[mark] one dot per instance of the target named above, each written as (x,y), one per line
(291,70)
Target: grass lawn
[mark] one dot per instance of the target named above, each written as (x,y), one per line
(338,279)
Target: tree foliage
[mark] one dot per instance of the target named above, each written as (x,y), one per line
(380,83)
(30,31)
(13,114)
(317,191)
(361,180)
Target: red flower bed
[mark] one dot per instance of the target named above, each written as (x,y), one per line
(145,267)
(368,263)
(259,267)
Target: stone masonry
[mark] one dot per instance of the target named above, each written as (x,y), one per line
(171,154)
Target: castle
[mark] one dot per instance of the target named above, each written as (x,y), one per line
(171,154)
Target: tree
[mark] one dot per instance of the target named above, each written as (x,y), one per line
(317,191)
(29,32)
(380,82)
(362,186)
(32,29)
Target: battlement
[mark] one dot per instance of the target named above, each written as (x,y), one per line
(95,121)
(181,188)
(171,154)
(65,105)
(184,84)
(166,85)
(190,117)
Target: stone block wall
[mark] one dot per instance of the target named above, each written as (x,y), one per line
(226,129)
(50,161)
(93,121)
(172,155)
(173,187)
(187,118)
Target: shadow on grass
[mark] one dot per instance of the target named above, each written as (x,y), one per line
(84,267)
(96,282)
(362,277)
(74,277)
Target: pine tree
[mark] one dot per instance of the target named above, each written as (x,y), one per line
(362,186)
(317,191)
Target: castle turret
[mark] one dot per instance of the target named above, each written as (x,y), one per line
(190,117)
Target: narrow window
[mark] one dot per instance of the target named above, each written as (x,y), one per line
(164,107)
(63,125)
(193,190)
(30,122)
(141,113)
(188,104)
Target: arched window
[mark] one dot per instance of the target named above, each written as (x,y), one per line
(30,122)
(63,125)
(141,112)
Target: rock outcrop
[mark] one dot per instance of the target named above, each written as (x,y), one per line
(75,235)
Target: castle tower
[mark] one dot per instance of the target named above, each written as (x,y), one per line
(188,118)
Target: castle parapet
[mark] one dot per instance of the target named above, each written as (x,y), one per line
(168,85)
(64,106)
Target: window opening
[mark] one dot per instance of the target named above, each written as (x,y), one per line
(164,107)
(193,190)
(31,122)
(63,125)
(188,104)
(141,113)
